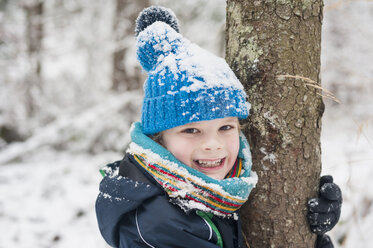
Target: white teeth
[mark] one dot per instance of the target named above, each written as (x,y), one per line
(209,164)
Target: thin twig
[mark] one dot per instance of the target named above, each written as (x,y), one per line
(327,95)
(246,242)
(361,131)
(340,3)
(313,84)
(360,160)
(336,5)
(298,77)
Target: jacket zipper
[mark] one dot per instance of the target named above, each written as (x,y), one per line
(207,217)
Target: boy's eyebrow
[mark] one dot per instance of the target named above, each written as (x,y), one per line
(230,121)
(187,125)
(190,124)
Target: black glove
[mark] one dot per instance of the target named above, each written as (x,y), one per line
(324,212)
(324,241)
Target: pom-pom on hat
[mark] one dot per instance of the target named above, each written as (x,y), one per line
(185,82)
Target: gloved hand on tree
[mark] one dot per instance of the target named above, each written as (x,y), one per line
(324,211)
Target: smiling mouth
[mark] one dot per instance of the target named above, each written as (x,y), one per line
(209,163)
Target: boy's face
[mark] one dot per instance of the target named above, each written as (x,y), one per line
(210,147)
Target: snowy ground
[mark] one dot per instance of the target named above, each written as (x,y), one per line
(48,184)
(48,201)
(47,193)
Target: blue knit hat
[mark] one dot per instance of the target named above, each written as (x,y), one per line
(185,82)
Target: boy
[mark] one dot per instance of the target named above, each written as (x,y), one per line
(188,168)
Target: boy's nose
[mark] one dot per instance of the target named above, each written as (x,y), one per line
(212,143)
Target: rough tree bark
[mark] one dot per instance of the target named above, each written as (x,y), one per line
(266,40)
(126,12)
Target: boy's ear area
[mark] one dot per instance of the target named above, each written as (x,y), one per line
(157,137)
(243,124)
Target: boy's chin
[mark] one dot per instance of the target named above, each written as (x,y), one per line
(217,175)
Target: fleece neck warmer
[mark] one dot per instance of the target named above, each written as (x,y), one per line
(190,189)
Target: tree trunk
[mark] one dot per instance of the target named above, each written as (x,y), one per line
(34,38)
(124,30)
(272,46)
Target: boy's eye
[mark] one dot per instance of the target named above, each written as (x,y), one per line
(226,127)
(190,130)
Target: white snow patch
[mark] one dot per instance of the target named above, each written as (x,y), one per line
(268,156)
(271,118)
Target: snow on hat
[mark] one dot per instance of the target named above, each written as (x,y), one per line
(185,82)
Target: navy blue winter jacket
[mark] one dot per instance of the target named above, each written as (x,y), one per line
(133,211)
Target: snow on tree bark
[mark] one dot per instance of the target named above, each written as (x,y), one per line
(265,40)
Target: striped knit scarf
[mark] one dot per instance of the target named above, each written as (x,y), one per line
(189,188)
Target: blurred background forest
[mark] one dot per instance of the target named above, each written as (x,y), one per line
(70,86)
